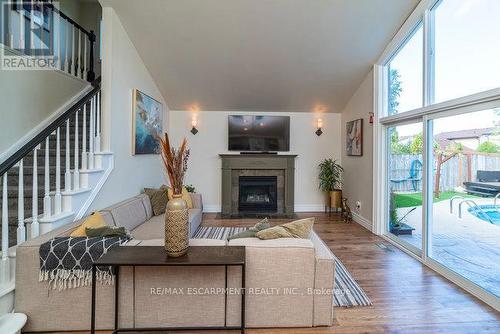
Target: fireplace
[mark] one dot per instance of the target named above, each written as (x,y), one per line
(258,194)
(257,185)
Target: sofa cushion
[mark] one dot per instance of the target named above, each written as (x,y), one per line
(280,265)
(108,218)
(195,217)
(155,227)
(151,229)
(197,201)
(147,205)
(274,243)
(129,213)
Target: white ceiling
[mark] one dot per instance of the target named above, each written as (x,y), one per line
(260,55)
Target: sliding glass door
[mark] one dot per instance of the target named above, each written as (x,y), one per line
(438,161)
(464,234)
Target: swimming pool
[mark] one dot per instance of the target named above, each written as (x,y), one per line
(487,213)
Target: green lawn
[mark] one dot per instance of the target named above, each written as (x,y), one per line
(415,199)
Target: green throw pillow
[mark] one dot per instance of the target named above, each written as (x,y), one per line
(106,231)
(252,231)
(158,199)
(297,229)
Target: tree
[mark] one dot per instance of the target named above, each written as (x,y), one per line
(488,147)
(442,156)
(396,146)
(395,90)
(417,144)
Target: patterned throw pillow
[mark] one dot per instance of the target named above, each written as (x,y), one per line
(158,199)
(297,229)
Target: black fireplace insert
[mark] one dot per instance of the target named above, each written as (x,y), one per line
(258,194)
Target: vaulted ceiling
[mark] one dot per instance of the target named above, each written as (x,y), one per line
(260,55)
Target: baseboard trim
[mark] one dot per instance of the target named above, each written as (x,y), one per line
(362,221)
(211,208)
(298,208)
(310,208)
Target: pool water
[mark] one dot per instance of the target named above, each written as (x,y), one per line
(489,213)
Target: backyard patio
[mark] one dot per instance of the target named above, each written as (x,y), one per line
(469,246)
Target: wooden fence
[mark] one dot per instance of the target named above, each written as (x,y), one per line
(454,172)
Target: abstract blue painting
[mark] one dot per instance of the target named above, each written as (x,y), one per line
(147,124)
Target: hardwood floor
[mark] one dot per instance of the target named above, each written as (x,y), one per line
(407,297)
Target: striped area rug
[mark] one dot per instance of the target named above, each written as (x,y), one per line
(348,293)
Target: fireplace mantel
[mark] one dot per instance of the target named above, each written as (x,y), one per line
(257,164)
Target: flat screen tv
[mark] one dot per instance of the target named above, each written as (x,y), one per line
(259,133)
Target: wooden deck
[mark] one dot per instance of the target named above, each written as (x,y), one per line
(407,297)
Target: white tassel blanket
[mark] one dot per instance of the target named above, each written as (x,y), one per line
(66,262)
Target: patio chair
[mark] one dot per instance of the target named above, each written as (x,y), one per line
(415,175)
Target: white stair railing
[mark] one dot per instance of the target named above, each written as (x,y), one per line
(79,180)
(76,173)
(5,266)
(84,138)
(67,174)
(91,135)
(21,232)
(47,207)
(35,228)
(57,197)
(98,126)
(48,43)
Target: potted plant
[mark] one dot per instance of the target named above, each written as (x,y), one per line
(176,215)
(396,224)
(330,181)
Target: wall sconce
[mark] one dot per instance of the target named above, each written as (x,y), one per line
(194,123)
(319,132)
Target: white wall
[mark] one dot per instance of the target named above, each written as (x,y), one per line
(358,175)
(28,98)
(123,70)
(204,170)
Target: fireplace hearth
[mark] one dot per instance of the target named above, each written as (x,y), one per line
(258,194)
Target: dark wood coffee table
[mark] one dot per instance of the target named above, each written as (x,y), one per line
(135,256)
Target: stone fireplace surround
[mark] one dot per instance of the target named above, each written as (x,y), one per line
(236,165)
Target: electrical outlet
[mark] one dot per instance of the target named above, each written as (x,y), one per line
(358,205)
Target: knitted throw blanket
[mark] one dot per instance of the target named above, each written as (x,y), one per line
(66,262)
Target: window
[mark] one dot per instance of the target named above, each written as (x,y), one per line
(405,72)
(467,48)
(405,184)
(440,163)
(465,233)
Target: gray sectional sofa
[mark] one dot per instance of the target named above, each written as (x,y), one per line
(299,271)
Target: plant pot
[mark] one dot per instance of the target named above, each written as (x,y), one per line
(176,227)
(401,229)
(335,198)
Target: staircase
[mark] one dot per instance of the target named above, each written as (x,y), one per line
(66,186)
(52,178)
(51,181)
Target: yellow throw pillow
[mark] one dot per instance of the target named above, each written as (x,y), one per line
(296,229)
(185,196)
(94,221)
